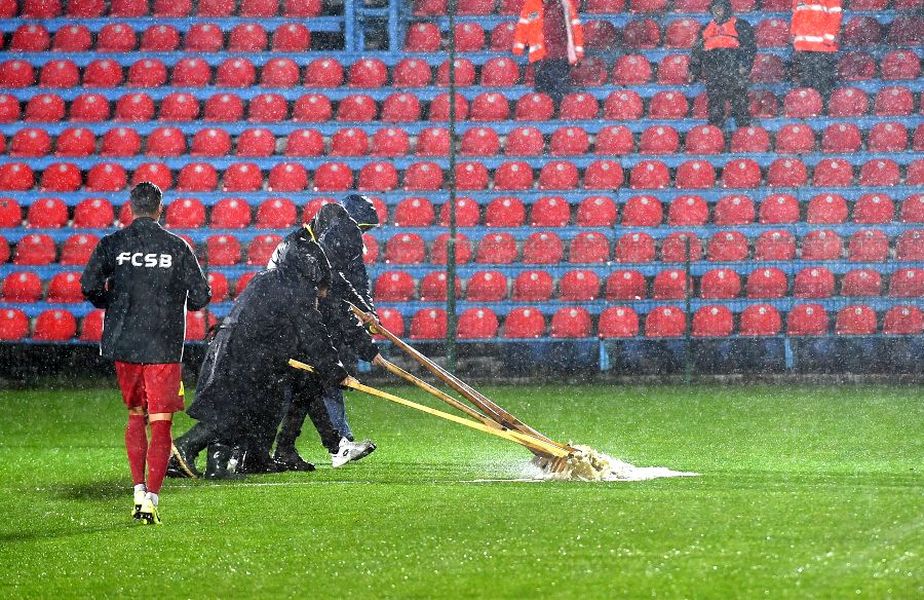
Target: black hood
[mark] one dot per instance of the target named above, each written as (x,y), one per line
(303,257)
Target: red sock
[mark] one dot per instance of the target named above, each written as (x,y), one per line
(158,454)
(136,445)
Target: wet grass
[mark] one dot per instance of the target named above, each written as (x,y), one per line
(805,492)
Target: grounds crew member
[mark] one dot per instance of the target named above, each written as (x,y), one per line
(146,278)
(245,374)
(338,230)
(722,58)
(815,29)
(554,37)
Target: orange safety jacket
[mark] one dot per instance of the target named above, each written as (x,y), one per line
(529,31)
(815,25)
(717,36)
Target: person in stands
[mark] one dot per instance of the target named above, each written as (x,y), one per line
(815,29)
(554,37)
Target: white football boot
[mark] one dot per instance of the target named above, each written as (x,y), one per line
(350,451)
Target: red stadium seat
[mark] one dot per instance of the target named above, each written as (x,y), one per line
(720,284)
(668,105)
(433,141)
(414,212)
(185,213)
(779,208)
(869,245)
(242,177)
(55,326)
(833,172)
(649,174)
(862,282)
(688,211)
(550,211)
(505,212)
(750,139)
(624,105)
(65,288)
(480,141)
(670,285)
(16,177)
(734,210)
(772,33)
(502,36)
(468,213)
(134,107)
(855,320)
(542,248)
(30,142)
(220,286)
(464,73)
(712,321)
(17,74)
(600,35)
(166,141)
(900,65)
(727,246)
(42,108)
(634,248)
(490,106)
(795,139)
(276,213)
(440,251)
(681,33)
(223,250)
(302,142)
(665,321)
(439,107)
(261,249)
(579,286)
(912,210)
(292,37)
(894,101)
(534,107)
(597,211)
(695,174)
(848,102)
(856,66)
(813,282)
(787,172)
(243,281)
(211,142)
(572,322)
(224,107)
(767,283)
(659,140)
(429,324)
(569,141)
(497,248)
(287,177)
(394,286)
(841,137)
(558,175)
(91,327)
(10,213)
(107,177)
(642,34)
(30,38)
(433,287)
(204,37)
(903,320)
(197,177)
(914,173)
(391,320)
(303,8)
(73,38)
(423,176)
(499,72)
(22,286)
(160,38)
(887,137)
(767,68)
(120,141)
(14,325)
(60,74)
(230,213)
(311,209)
(875,209)
(822,245)
(76,249)
(128,8)
(589,247)
(47,213)
(390,142)
(524,323)
(807,319)
(626,285)
(614,140)
(102,73)
(910,245)
(487,286)
(147,73)
(324,72)
(333,177)
(405,248)
(760,320)
(422,37)
(741,173)
(157,173)
(312,107)
(61,177)
(579,107)
(378,176)
(681,246)
(827,208)
(477,323)
(267,108)
(524,141)
(618,322)
(880,173)
(35,249)
(642,211)
(368,73)
(705,139)
(802,103)
(179,106)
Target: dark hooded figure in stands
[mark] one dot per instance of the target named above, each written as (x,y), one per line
(240,395)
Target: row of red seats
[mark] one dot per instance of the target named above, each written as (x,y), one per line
(547,211)
(571,140)
(438,8)
(328,72)
(87,9)
(55,325)
(383,176)
(539,286)
(644,34)
(404,107)
(540,248)
(200,37)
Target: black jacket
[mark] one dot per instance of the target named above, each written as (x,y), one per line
(724,63)
(276,318)
(342,242)
(145,278)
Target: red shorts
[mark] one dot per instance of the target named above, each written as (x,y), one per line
(157,388)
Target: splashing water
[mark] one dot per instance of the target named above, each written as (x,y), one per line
(589,464)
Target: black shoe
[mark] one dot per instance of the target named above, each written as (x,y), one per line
(182,463)
(289,460)
(218,465)
(256,463)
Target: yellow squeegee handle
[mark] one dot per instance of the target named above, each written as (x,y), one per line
(511,436)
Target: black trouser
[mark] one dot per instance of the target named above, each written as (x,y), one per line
(816,70)
(306,400)
(722,87)
(553,77)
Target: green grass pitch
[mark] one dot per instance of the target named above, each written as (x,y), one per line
(805,492)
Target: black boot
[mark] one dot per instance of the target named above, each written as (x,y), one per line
(186,448)
(288,459)
(217,463)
